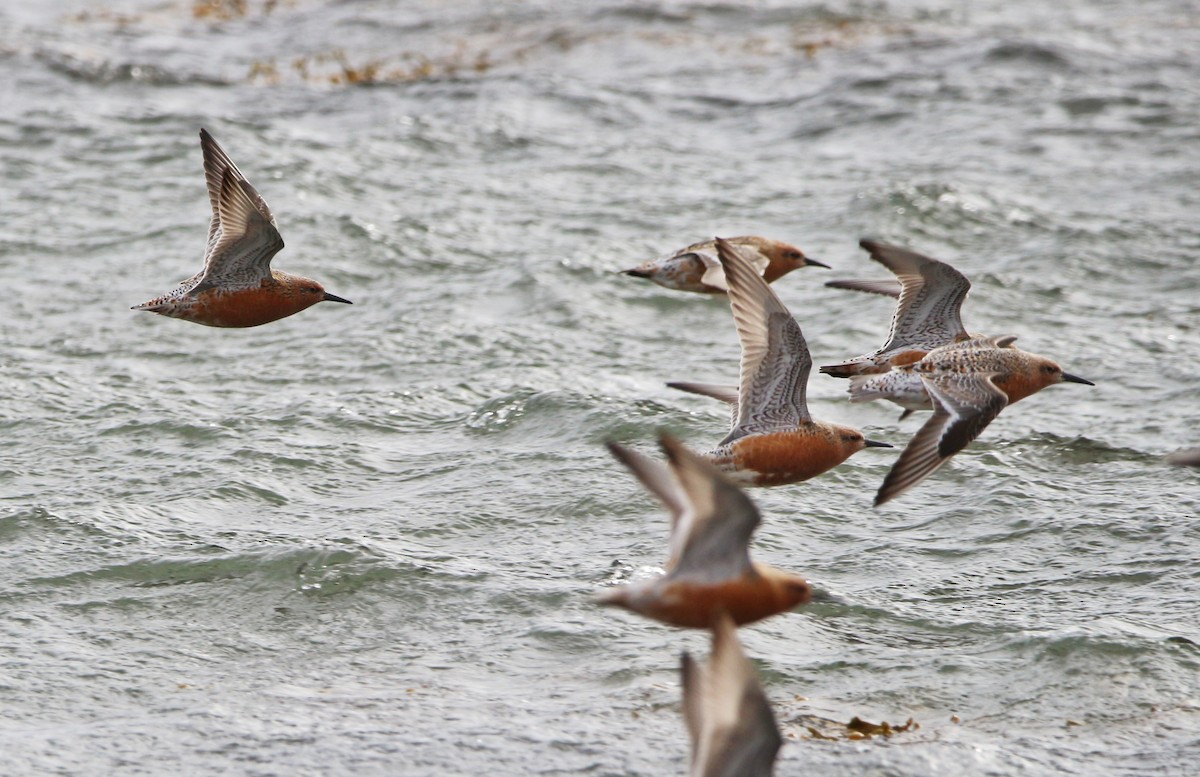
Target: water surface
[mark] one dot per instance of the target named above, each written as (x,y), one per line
(362,540)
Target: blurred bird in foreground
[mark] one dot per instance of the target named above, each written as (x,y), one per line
(708,568)
(729,720)
(1188,457)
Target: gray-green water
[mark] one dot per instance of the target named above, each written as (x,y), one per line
(362,539)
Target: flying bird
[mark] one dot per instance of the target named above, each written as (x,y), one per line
(697,268)
(773,439)
(969,383)
(237,287)
(708,567)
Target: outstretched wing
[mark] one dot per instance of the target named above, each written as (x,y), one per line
(932,292)
(775,358)
(963,405)
(242,236)
(659,480)
(723,518)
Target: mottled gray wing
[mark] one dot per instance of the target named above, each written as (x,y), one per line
(715,546)
(242,236)
(963,405)
(732,727)
(660,480)
(928,313)
(775,358)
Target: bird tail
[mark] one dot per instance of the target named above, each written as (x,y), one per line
(865,388)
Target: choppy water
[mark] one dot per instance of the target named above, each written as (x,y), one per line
(361,540)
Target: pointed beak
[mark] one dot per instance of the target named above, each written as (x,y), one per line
(815,263)
(335,298)
(1069,378)
(877,444)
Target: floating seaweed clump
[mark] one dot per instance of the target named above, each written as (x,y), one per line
(336,68)
(813,36)
(227,10)
(833,730)
(209,10)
